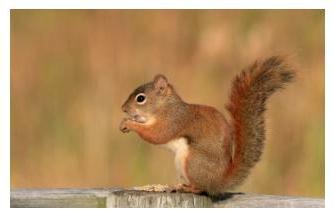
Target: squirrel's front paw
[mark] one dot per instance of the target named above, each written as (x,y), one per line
(124,126)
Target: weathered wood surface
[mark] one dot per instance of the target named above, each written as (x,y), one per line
(117,197)
(59,197)
(243,200)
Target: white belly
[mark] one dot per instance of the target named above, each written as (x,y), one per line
(180,148)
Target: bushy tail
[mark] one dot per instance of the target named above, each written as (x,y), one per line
(249,93)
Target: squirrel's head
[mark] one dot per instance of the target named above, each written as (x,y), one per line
(148,100)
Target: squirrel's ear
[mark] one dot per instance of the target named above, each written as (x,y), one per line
(160,83)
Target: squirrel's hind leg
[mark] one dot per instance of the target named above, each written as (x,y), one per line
(185,188)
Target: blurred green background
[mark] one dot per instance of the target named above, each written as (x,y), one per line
(72,69)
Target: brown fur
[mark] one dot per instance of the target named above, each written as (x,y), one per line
(250,91)
(220,154)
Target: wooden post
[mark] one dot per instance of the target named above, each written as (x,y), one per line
(117,197)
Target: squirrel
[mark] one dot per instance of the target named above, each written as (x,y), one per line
(212,154)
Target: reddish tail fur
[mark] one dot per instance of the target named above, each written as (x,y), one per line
(249,93)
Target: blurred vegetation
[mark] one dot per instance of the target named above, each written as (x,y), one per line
(72,69)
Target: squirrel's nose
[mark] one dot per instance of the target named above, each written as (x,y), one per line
(124,109)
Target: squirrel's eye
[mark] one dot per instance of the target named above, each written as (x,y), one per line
(141,98)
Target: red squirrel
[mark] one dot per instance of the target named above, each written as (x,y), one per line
(212,154)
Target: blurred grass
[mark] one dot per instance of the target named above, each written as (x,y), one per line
(72,69)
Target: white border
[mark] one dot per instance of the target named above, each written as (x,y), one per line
(4,108)
(329,107)
(5,6)
(170,4)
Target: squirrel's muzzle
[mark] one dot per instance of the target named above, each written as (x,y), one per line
(124,109)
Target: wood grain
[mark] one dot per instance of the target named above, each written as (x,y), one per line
(128,198)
